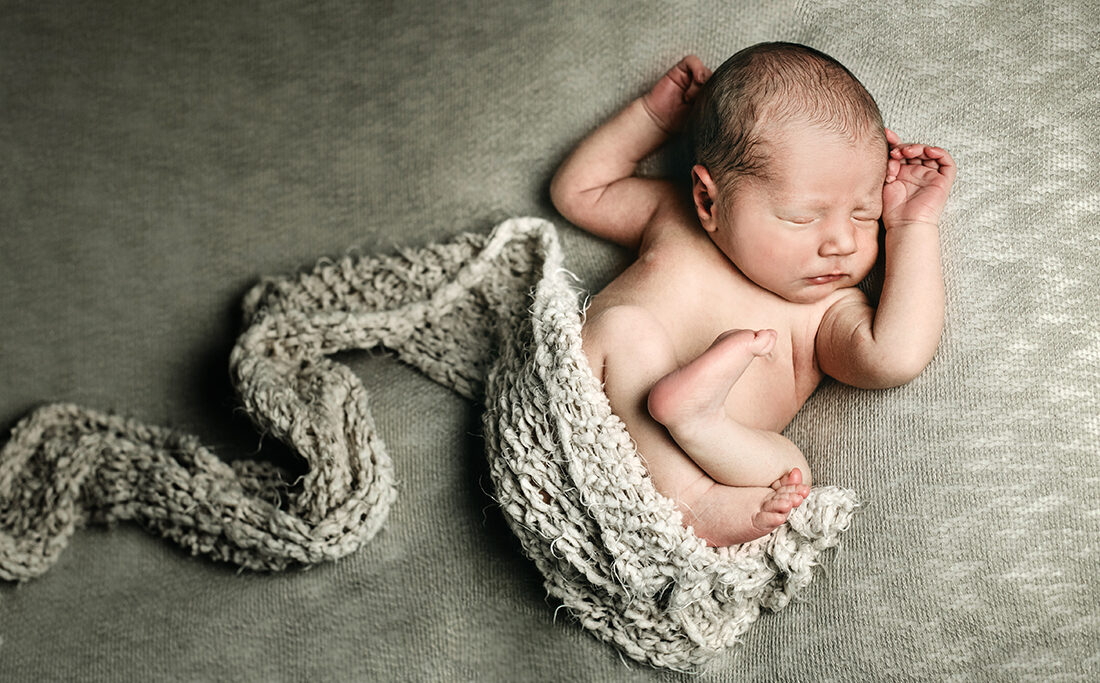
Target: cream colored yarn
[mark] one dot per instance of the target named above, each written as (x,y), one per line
(485,315)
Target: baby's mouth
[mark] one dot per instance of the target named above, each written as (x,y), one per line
(825,279)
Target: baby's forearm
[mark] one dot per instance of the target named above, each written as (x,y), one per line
(909,319)
(608,154)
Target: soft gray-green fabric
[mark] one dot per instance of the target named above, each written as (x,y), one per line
(159,157)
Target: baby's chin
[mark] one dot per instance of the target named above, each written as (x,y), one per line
(811,293)
(808,290)
(804,298)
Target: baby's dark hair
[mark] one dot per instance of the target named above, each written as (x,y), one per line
(772,83)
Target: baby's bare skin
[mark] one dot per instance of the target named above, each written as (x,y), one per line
(646,340)
(740,303)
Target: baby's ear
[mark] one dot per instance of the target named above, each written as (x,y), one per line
(703,193)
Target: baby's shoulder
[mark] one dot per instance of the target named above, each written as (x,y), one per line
(674,222)
(676,252)
(840,300)
(824,312)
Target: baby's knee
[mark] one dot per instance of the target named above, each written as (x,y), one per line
(788,459)
(666,407)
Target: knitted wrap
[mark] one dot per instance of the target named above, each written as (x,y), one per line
(490,316)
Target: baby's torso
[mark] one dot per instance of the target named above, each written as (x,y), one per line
(694,292)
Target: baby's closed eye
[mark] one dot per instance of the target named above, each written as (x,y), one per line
(806,220)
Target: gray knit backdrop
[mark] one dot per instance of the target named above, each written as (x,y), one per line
(159,158)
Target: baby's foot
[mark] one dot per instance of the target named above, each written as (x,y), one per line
(731,515)
(788,493)
(699,389)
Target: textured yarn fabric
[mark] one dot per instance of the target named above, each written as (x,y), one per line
(492,313)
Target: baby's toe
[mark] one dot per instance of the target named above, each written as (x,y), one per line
(800,491)
(794,477)
(781,503)
(766,521)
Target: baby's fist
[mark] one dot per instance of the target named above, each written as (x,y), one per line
(670,99)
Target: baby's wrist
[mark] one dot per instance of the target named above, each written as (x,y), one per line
(911,225)
(652,114)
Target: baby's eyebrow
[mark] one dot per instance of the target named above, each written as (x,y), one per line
(796,207)
(799,205)
(806,205)
(872,199)
(800,201)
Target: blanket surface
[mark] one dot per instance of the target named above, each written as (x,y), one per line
(159,157)
(566,472)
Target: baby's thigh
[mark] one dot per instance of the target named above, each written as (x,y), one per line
(630,351)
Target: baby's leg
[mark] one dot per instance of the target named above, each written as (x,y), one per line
(631,353)
(690,402)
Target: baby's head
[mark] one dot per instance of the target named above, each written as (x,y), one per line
(790,162)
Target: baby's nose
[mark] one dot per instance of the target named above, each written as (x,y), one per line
(838,238)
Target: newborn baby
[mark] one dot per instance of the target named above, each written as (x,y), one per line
(743,295)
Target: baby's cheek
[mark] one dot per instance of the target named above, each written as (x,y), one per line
(868,255)
(867,235)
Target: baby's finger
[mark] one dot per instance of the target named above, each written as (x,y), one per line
(942,156)
(911,151)
(695,68)
(937,152)
(680,74)
(907,153)
(892,138)
(945,164)
(892,168)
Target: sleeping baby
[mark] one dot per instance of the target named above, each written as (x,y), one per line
(743,296)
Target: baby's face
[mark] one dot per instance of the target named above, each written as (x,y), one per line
(812,227)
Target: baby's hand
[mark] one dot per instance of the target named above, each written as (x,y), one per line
(918,179)
(669,102)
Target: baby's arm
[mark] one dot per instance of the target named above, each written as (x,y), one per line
(595,187)
(891,346)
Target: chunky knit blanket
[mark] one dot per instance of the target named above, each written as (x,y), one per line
(491,316)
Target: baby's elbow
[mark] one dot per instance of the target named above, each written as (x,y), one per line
(900,371)
(557,191)
(563,196)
